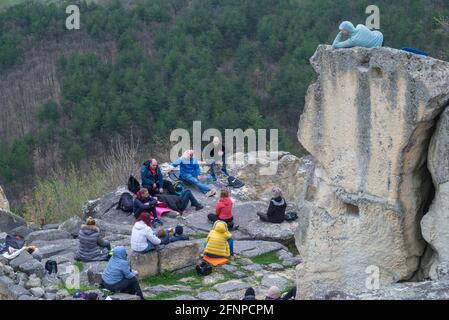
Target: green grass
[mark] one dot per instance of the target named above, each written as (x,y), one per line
(266,258)
(79,265)
(169,295)
(198,235)
(71,291)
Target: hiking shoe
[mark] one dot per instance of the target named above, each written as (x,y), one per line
(213,176)
(225,172)
(211,193)
(235,227)
(199,207)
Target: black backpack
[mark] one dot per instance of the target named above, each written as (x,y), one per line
(51,266)
(204,268)
(234,182)
(133,184)
(291,216)
(126,202)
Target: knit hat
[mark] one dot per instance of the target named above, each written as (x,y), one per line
(273,293)
(90,221)
(277,192)
(145,217)
(179,230)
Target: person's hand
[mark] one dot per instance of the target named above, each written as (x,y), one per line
(161,190)
(154,186)
(220,153)
(200,177)
(136,272)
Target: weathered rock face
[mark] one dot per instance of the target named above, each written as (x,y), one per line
(435,224)
(10,221)
(4,204)
(367,121)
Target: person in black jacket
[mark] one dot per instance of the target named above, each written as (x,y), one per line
(180,203)
(276,210)
(143,202)
(153,180)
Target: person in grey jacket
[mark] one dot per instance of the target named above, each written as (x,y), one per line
(92,247)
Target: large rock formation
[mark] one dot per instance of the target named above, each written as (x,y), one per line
(435,224)
(4,204)
(367,120)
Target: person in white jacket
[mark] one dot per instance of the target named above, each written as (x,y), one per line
(143,239)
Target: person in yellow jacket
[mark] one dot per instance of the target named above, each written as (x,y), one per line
(219,242)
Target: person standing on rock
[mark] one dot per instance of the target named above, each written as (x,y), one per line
(143,239)
(190,172)
(276,210)
(221,153)
(118,276)
(359,36)
(92,247)
(153,180)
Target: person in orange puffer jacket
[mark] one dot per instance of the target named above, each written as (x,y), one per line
(223,210)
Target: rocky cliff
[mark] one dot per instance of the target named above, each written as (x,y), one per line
(368,121)
(4,204)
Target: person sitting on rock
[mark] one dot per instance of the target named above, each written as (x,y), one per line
(276,209)
(223,210)
(153,180)
(143,239)
(118,276)
(221,153)
(92,247)
(250,294)
(172,235)
(273,293)
(180,203)
(190,172)
(143,202)
(219,242)
(360,36)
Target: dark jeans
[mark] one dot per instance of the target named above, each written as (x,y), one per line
(185,198)
(290,294)
(152,212)
(212,168)
(213,218)
(166,185)
(130,286)
(263,216)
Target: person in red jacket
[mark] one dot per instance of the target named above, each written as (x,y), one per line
(223,210)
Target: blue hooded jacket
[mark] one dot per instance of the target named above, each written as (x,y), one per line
(147,177)
(118,267)
(360,36)
(188,166)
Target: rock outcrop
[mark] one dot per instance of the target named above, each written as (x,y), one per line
(435,224)
(367,121)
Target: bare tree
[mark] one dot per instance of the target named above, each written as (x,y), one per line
(444,24)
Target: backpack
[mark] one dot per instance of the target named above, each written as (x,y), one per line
(179,187)
(16,241)
(51,266)
(234,182)
(126,202)
(204,268)
(291,216)
(133,184)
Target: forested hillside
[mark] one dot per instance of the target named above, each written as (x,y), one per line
(230,63)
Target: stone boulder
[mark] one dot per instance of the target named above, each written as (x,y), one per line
(435,224)
(367,121)
(72,226)
(9,221)
(146,264)
(47,235)
(4,204)
(178,255)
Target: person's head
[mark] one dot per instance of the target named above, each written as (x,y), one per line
(90,221)
(188,154)
(220,226)
(145,217)
(250,292)
(276,192)
(216,141)
(144,193)
(119,253)
(346,28)
(161,233)
(31,249)
(153,163)
(179,230)
(273,293)
(224,193)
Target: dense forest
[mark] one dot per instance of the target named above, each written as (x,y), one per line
(230,63)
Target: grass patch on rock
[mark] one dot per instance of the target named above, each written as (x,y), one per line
(83,287)
(266,258)
(169,295)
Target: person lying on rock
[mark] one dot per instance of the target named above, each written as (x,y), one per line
(143,239)
(180,203)
(143,202)
(92,247)
(118,276)
(153,180)
(276,209)
(172,235)
(359,36)
(13,253)
(190,172)
(211,160)
(223,210)
(219,242)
